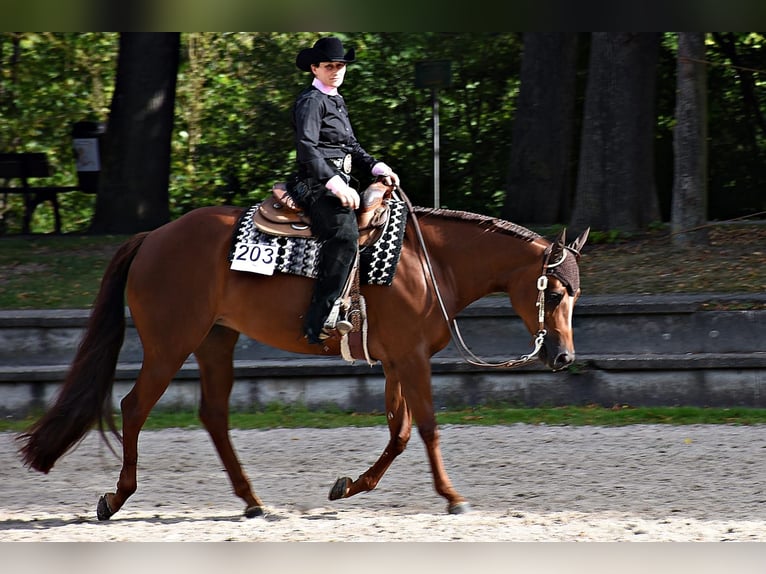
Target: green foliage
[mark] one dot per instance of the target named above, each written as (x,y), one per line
(48,81)
(236,92)
(737,134)
(233,139)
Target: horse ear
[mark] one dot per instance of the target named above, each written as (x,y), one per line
(561,239)
(578,243)
(558,245)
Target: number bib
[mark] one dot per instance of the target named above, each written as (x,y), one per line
(255,257)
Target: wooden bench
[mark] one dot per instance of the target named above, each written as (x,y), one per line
(26,166)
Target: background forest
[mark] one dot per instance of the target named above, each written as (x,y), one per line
(529,125)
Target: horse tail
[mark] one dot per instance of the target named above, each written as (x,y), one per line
(85,398)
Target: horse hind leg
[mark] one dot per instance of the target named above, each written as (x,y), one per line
(399,421)
(216,362)
(152,381)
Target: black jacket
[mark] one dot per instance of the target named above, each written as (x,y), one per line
(322,131)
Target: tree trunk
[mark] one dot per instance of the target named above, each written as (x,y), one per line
(133,189)
(615,182)
(539,182)
(689,206)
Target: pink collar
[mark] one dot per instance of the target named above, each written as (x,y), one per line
(328,90)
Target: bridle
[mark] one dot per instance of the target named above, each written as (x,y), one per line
(542,285)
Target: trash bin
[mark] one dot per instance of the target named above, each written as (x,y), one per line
(86,141)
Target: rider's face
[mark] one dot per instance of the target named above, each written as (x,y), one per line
(330,73)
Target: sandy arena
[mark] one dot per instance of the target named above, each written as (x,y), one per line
(525,483)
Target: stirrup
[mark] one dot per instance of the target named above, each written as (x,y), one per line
(333,316)
(334,322)
(335,327)
(337,330)
(343,326)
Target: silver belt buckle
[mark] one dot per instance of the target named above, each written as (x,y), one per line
(345,164)
(341,163)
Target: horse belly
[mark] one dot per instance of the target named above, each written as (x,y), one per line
(268,309)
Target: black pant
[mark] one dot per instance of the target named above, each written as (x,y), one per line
(335,226)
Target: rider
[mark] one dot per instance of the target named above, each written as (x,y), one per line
(326,147)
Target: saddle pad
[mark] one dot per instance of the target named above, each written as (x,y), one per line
(298,255)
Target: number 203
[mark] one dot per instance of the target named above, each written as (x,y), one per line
(255,253)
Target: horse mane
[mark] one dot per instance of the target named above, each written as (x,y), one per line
(492,224)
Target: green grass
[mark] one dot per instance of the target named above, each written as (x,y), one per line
(279,416)
(49,272)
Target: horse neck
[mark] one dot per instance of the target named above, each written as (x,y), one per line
(471,261)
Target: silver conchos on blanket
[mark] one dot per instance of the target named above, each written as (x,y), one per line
(258,252)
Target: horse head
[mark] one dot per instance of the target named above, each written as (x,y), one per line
(558,288)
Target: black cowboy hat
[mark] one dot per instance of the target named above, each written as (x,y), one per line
(328,49)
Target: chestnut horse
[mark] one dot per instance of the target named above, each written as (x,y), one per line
(184,299)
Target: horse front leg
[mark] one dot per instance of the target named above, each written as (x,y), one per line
(399,421)
(417,393)
(456,504)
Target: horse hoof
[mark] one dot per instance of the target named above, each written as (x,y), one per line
(253,511)
(459,508)
(103,512)
(340,488)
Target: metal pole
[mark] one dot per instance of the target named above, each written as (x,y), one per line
(435,96)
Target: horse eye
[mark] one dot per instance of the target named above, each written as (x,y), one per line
(553,299)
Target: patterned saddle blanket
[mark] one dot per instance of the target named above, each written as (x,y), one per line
(259,251)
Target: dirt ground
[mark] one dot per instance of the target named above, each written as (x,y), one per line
(525,483)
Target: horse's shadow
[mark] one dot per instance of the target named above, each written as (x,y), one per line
(53,522)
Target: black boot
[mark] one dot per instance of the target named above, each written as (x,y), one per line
(313,321)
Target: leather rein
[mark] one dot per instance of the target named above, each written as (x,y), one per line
(468,355)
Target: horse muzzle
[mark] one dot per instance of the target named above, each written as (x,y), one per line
(556,357)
